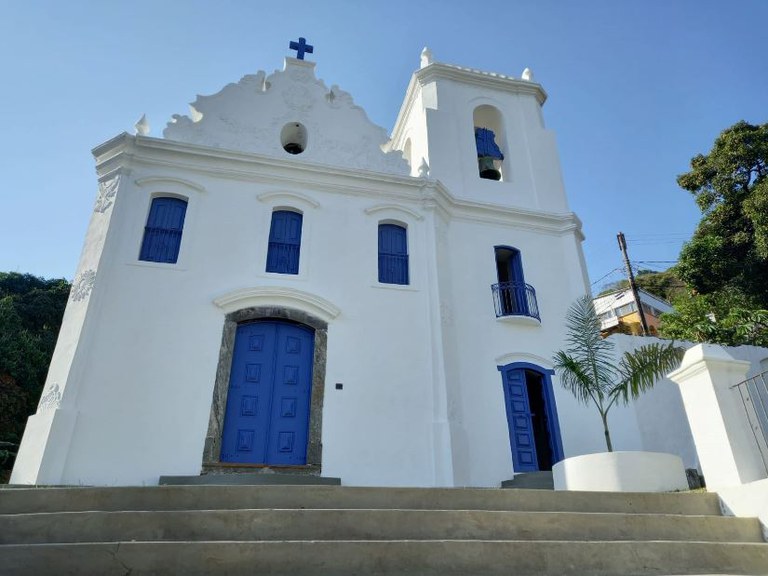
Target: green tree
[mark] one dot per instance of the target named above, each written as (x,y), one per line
(589,371)
(724,317)
(729,249)
(31,310)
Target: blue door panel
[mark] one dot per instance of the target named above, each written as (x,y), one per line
(267,414)
(522,432)
(519,419)
(291,388)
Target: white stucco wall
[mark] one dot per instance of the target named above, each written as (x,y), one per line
(657,421)
(634,471)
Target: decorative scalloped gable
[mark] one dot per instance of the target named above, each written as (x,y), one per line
(249,116)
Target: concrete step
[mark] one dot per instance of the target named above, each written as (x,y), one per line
(249,479)
(28,500)
(390,558)
(531,481)
(277,525)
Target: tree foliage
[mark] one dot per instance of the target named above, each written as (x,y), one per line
(588,370)
(31,310)
(729,249)
(723,317)
(725,264)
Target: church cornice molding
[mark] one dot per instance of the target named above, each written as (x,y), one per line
(436,195)
(292,176)
(482,79)
(114,154)
(554,223)
(277,296)
(248,165)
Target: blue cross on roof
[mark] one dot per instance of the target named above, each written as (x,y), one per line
(301,47)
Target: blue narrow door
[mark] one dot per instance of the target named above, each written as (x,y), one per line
(519,420)
(267,416)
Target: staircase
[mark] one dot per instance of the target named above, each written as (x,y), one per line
(339,531)
(531,481)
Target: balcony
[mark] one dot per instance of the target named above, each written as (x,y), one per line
(515,299)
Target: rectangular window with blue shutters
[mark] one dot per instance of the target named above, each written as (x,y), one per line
(284,242)
(393,254)
(162,234)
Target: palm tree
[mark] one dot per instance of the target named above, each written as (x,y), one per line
(588,369)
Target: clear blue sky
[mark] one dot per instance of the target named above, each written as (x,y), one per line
(636,88)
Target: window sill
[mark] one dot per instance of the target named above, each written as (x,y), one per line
(282,276)
(402,287)
(160,265)
(519,320)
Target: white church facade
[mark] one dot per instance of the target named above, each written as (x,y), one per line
(278,285)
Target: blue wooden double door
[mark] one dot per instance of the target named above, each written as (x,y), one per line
(270,390)
(534,431)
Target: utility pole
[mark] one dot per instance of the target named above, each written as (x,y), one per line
(632,285)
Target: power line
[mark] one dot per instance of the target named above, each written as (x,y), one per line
(656,242)
(660,234)
(606,276)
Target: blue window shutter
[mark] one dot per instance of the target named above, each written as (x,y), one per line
(393,254)
(284,242)
(162,234)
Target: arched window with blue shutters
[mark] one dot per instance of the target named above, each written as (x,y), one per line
(393,254)
(162,234)
(284,242)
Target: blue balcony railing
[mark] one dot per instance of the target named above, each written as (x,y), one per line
(515,299)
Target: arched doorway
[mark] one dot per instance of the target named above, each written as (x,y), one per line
(215,454)
(270,386)
(534,430)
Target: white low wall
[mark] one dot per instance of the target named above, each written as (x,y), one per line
(747,501)
(621,472)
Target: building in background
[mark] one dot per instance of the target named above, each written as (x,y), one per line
(618,312)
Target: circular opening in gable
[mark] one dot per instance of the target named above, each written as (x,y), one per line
(294,138)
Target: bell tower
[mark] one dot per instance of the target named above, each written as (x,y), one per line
(482,135)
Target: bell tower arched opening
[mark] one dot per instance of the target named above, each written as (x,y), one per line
(489,142)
